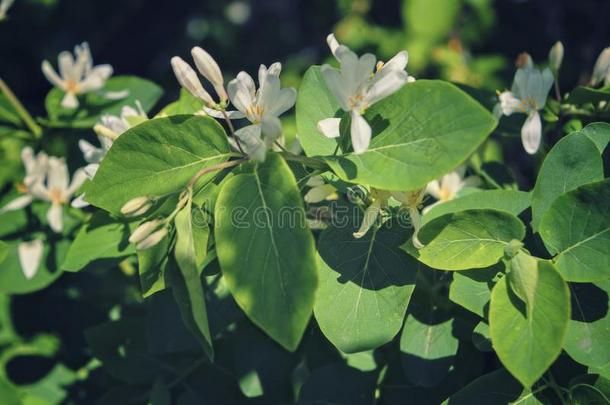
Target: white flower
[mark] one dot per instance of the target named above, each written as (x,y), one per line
(320,190)
(77,75)
(412,200)
(207,66)
(380,201)
(448,186)
(30,256)
(601,70)
(58,190)
(261,107)
(4,6)
(528,96)
(357,85)
(35,172)
(47,179)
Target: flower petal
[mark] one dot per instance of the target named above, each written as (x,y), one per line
(329,127)
(361,133)
(79,202)
(242,91)
(334,81)
(30,256)
(387,85)
(284,101)
(531,133)
(52,75)
(17,204)
(55,217)
(65,61)
(333,44)
(188,79)
(69,101)
(370,216)
(58,176)
(78,178)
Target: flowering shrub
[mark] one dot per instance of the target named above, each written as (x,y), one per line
(379,236)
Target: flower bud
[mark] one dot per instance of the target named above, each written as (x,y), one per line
(152,239)
(208,67)
(601,71)
(136,206)
(188,79)
(144,230)
(556,56)
(524,61)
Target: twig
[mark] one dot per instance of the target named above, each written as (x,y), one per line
(232,129)
(23,113)
(209,169)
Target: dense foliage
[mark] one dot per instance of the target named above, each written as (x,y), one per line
(369,245)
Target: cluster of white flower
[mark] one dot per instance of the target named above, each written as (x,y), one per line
(261,107)
(46,179)
(78,76)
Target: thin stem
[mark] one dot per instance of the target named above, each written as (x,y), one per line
(279,145)
(487,177)
(23,113)
(307,161)
(557,92)
(209,169)
(232,130)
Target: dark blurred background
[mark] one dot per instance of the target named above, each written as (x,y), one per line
(466,41)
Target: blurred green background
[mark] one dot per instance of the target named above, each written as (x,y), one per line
(466,41)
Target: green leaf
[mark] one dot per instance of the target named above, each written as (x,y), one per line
(157,157)
(523,278)
(152,264)
(186,258)
(101,242)
(497,387)
(576,229)
(470,239)
(3,251)
(584,95)
(528,341)
(481,338)
(420,133)
(472,288)
(427,344)
(94,105)
(599,133)
(573,161)
(365,284)
(186,104)
(512,201)
(315,103)
(589,329)
(265,250)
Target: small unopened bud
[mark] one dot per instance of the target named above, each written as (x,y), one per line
(152,239)
(524,60)
(601,71)
(104,131)
(188,79)
(136,206)
(210,70)
(144,230)
(556,56)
